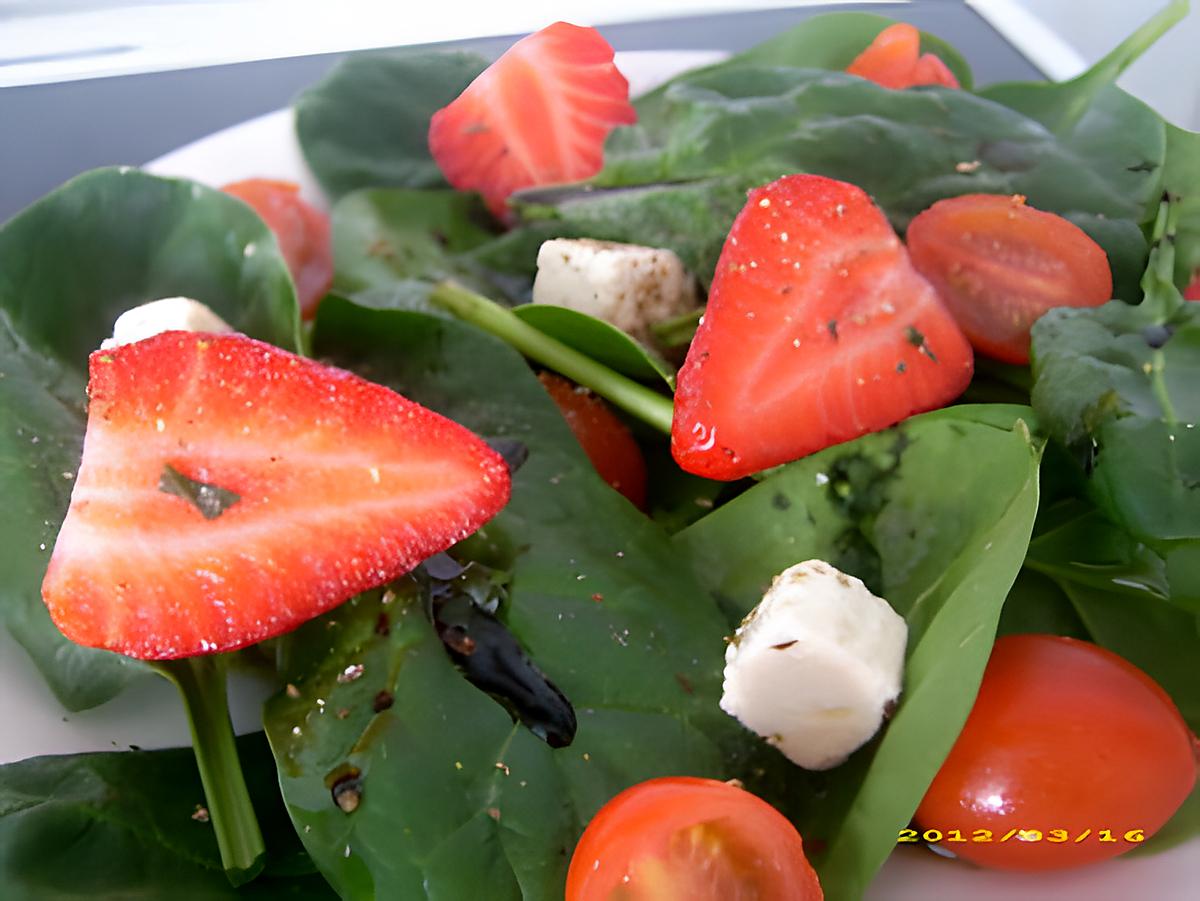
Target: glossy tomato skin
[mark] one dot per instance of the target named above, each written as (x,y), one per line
(1064,737)
(688,839)
(999,264)
(606,440)
(301,230)
(894,60)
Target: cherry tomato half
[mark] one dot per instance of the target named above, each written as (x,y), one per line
(1066,739)
(687,839)
(998,265)
(894,60)
(605,439)
(301,230)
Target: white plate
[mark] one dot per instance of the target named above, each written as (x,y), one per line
(149,715)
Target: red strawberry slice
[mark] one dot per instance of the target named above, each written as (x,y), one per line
(818,330)
(538,115)
(307,485)
(894,60)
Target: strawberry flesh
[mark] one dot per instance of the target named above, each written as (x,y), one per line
(229,491)
(538,115)
(818,330)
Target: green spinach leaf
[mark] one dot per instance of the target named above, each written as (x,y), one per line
(365,125)
(391,245)
(131,825)
(1115,385)
(830,41)
(1061,105)
(943,556)
(456,800)
(69,265)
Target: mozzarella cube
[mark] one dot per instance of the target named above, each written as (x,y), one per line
(813,668)
(166,315)
(628,286)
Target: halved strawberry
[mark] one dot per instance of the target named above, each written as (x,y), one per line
(301,230)
(818,330)
(230,490)
(538,115)
(894,60)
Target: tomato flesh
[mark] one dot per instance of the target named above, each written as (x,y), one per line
(1065,739)
(301,230)
(998,265)
(894,60)
(604,438)
(687,839)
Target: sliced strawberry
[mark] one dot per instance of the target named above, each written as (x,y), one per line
(818,330)
(604,438)
(538,115)
(894,60)
(308,485)
(301,230)
(999,264)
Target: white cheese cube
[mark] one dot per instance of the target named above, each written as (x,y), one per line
(814,666)
(628,286)
(166,315)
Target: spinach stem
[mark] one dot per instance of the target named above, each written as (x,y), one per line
(201,683)
(678,330)
(648,405)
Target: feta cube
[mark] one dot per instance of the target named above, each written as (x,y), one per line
(626,285)
(813,668)
(168,314)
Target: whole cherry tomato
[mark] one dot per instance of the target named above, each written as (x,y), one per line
(1070,755)
(605,439)
(687,839)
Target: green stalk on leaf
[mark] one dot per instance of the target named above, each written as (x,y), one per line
(654,409)
(201,684)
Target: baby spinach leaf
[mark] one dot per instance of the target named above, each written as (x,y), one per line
(385,235)
(604,343)
(391,245)
(456,799)
(365,124)
(131,824)
(879,508)
(1115,384)
(69,265)
(830,41)
(1061,105)
(1155,636)
(1181,179)
(691,218)
(1084,547)
(802,120)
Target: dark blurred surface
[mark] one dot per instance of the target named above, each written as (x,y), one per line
(50,132)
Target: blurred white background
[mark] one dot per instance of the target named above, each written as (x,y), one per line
(55,40)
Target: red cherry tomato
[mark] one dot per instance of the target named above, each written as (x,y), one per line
(605,439)
(1068,739)
(1192,291)
(686,839)
(894,60)
(301,230)
(998,265)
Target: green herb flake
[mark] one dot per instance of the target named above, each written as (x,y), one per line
(211,500)
(917,340)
